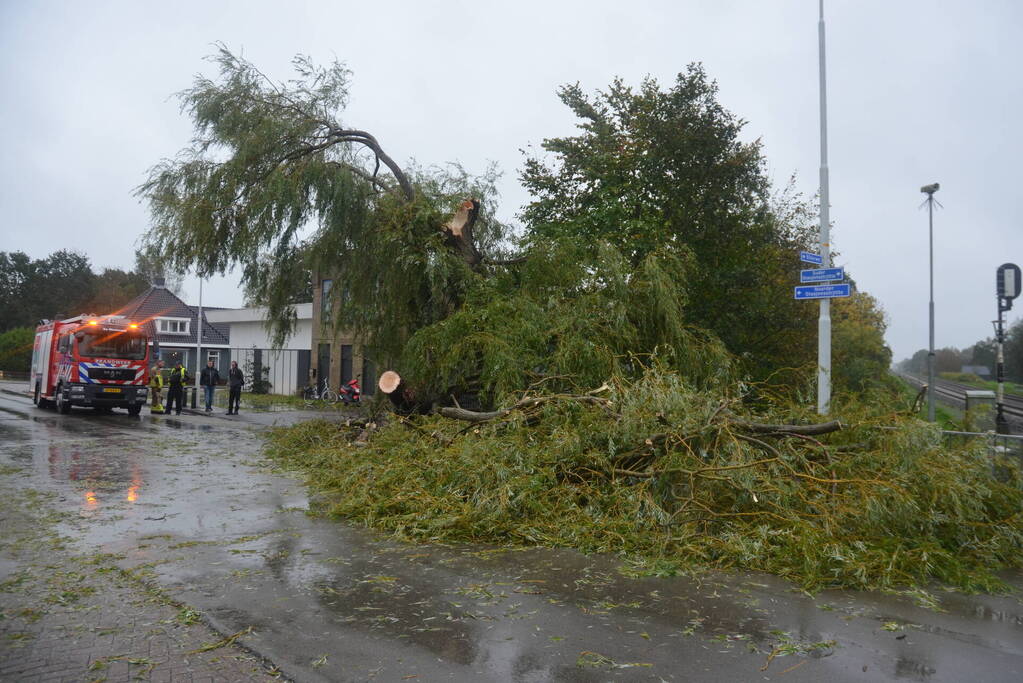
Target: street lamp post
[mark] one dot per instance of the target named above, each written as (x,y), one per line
(929,190)
(824,320)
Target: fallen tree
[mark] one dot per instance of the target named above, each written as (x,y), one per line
(654,259)
(678,477)
(683,229)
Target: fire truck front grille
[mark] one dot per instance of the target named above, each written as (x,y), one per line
(116,374)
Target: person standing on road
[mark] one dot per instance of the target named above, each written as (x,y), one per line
(156,386)
(209,378)
(235,380)
(178,379)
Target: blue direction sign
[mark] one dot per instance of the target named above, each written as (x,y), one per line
(810,257)
(822,291)
(822,274)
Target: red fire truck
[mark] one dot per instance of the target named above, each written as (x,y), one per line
(96,361)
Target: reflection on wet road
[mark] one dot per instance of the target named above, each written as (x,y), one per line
(187,503)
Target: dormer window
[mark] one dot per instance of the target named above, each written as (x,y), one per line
(172,325)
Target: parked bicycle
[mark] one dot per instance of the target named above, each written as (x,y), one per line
(316,392)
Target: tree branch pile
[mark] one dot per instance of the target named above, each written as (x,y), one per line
(667,473)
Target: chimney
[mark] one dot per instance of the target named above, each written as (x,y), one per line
(159,282)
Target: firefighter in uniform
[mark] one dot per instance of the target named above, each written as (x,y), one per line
(176,392)
(156,386)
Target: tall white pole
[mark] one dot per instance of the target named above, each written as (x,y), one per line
(824,324)
(199,365)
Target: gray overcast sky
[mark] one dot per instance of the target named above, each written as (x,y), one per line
(919,91)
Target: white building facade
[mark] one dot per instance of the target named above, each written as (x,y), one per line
(280,370)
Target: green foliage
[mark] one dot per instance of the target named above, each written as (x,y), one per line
(61,284)
(150,267)
(42,288)
(665,473)
(275,184)
(113,288)
(16,349)
(966,377)
(654,228)
(569,319)
(860,357)
(656,170)
(1013,351)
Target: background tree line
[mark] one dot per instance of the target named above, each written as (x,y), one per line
(62,284)
(982,353)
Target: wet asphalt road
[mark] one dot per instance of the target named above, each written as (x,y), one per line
(187,504)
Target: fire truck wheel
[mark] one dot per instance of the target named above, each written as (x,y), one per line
(63,401)
(39,400)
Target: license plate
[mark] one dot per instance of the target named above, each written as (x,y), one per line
(111,390)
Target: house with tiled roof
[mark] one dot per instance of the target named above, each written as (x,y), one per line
(175,326)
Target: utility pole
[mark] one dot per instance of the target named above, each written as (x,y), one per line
(824,323)
(199,365)
(929,190)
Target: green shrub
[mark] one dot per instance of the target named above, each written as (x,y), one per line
(16,349)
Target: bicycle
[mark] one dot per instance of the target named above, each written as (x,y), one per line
(314,393)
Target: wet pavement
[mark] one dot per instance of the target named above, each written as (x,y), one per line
(187,505)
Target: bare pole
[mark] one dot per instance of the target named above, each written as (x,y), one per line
(824,324)
(198,341)
(929,190)
(930,310)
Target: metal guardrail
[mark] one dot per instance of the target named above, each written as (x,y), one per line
(998,445)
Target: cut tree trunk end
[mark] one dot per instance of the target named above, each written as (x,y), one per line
(459,232)
(392,384)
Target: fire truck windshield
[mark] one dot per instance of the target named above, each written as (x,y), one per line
(111,345)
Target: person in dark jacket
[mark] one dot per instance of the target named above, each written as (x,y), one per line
(235,380)
(175,394)
(209,378)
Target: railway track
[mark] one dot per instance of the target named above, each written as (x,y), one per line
(954,394)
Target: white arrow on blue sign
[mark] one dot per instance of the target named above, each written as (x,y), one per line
(822,291)
(822,274)
(810,257)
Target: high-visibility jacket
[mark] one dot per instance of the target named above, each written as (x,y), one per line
(156,378)
(178,377)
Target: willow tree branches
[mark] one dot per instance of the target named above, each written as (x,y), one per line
(275,183)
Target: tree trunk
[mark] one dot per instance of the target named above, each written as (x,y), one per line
(804,430)
(402,398)
(459,232)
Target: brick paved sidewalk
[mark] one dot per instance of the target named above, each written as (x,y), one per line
(69,618)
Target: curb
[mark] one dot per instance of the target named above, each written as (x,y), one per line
(28,395)
(13,392)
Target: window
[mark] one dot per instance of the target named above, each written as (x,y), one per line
(172,357)
(325,286)
(215,357)
(346,363)
(126,346)
(323,364)
(369,376)
(173,325)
